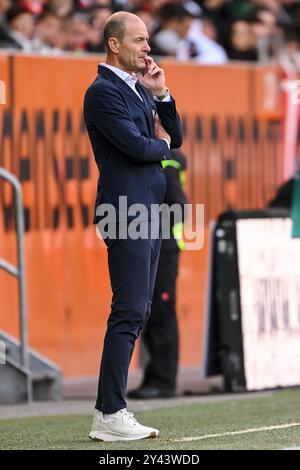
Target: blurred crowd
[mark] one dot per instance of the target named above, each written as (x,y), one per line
(205,31)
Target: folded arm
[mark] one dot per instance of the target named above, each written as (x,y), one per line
(107,112)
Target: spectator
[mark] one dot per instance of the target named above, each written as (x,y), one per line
(76,33)
(209,29)
(263,23)
(34,7)
(203,32)
(153,6)
(61,8)
(220,13)
(19,30)
(266,33)
(99,15)
(200,48)
(4,6)
(49,36)
(279,8)
(241,42)
(147,18)
(104,3)
(129,5)
(291,46)
(175,22)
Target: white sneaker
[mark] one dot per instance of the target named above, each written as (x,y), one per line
(122,426)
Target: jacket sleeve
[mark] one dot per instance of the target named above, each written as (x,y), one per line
(170,121)
(175,193)
(105,109)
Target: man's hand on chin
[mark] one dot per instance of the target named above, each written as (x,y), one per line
(153,78)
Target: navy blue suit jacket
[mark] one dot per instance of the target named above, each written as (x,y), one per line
(121,130)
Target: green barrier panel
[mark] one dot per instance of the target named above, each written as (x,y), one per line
(296,207)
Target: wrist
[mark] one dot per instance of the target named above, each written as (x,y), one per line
(161,94)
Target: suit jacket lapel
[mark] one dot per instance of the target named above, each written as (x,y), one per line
(144,105)
(148,105)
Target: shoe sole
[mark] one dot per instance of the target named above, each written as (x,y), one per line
(156,397)
(113,438)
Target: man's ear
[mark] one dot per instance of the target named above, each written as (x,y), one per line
(114,45)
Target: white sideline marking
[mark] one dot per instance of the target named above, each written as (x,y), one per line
(235,433)
(291,448)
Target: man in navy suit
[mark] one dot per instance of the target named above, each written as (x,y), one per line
(132,124)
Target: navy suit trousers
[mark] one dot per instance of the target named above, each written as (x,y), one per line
(132,268)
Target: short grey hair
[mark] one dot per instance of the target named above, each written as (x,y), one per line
(114,28)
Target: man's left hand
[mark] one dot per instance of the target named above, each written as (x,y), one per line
(153,78)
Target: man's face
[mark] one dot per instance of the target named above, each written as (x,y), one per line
(100,17)
(241,36)
(4,5)
(23,24)
(184,26)
(134,46)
